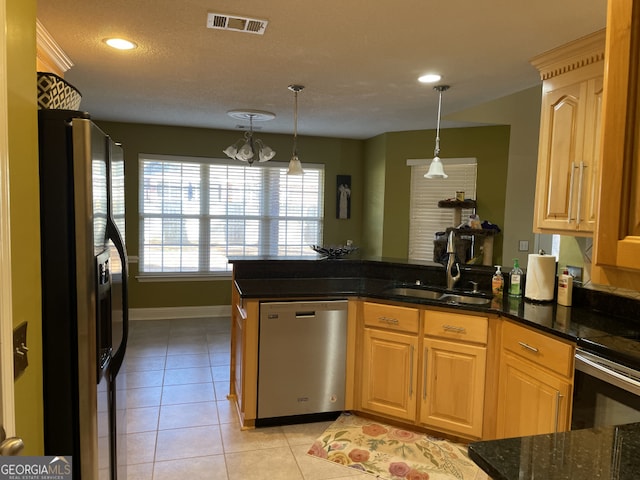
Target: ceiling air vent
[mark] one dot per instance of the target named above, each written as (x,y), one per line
(223,21)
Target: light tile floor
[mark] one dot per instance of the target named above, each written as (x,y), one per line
(181,425)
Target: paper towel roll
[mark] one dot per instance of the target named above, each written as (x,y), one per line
(541,277)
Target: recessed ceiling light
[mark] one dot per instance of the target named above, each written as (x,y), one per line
(430,78)
(120,43)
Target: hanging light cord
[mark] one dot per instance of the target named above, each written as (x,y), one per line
(250,137)
(295,122)
(436,152)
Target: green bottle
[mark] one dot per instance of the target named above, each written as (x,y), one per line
(515,282)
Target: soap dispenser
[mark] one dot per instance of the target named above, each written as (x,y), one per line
(497,283)
(515,283)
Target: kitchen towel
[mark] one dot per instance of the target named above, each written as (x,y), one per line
(541,277)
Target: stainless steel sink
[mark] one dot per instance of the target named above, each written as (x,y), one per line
(466,299)
(414,292)
(445,297)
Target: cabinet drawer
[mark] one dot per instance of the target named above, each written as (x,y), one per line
(539,348)
(470,328)
(390,316)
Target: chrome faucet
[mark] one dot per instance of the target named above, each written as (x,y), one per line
(451,254)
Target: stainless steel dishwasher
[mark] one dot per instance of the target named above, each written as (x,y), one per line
(302,358)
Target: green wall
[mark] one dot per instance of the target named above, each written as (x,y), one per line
(340,157)
(373,202)
(25,219)
(520,110)
(380,193)
(490,145)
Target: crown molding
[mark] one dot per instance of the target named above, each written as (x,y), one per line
(572,56)
(47,45)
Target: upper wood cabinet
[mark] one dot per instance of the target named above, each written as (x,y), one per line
(569,148)
(617,242)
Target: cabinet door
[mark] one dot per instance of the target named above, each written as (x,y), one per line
(560,152)
(452,396)
(589,179)
(244,359)
(617,245)
(530,400)
(389,369)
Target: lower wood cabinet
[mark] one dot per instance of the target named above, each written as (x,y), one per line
(389,366)
(425,367)
(536,383)
(452,397)
(244,358)
(453,372)
(389,360)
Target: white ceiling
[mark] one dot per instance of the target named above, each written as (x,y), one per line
(358,59)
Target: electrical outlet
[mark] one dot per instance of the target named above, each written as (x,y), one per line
(523,246)
(20,359)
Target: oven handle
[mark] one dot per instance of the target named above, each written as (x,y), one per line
(608,375)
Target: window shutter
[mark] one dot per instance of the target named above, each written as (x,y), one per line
(197,212)
(425,217)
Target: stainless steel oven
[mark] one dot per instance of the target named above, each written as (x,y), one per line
(605,392)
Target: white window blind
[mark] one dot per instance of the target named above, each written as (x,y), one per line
(425,217)
(195,213)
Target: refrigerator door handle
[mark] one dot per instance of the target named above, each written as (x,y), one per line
(114,235)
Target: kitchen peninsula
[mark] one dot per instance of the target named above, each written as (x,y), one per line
(489,339)
(604,453)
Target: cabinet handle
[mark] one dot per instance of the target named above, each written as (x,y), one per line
(453,328)
(573,167)
(558,399)
(388,320)
(411,373)
(424,374)
(528,347)
(582,167)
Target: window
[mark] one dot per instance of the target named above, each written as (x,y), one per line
(195,213)
(425,218)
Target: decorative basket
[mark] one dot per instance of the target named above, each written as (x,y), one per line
(334,251)
(55,93)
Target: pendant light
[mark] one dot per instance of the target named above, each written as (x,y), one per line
(248,148)
(436,170)
(295,168)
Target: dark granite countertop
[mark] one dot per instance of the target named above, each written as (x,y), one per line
(599,322)
(611,453)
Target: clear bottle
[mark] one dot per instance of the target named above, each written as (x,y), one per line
(497,283)
(515,283)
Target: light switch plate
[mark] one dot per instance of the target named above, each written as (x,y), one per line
(523,246)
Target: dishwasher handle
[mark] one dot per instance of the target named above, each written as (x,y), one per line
(307,314)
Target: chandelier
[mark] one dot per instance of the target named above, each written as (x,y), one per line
(248,148)
(436,170)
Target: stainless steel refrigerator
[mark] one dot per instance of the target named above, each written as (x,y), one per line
(84,294)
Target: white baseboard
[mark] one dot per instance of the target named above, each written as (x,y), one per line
(165,313)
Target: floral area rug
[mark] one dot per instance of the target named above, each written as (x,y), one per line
(392,453)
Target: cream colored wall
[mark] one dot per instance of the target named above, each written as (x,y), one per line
(25,208)
(521,111)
